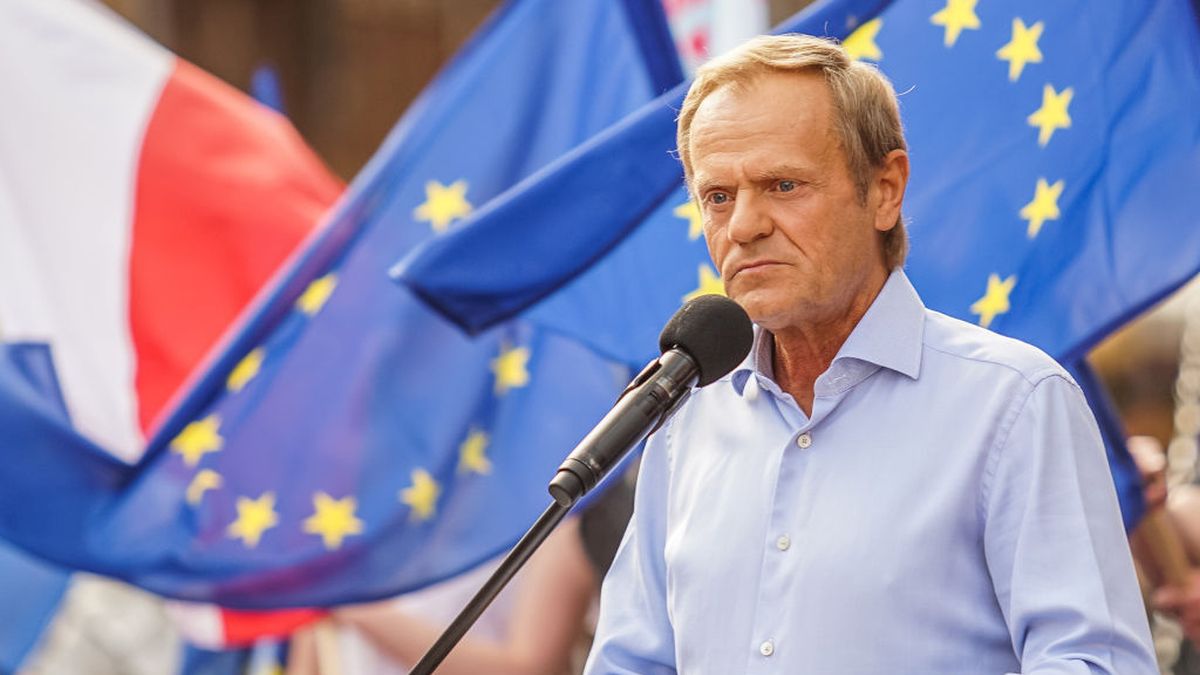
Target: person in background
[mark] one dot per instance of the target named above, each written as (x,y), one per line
(1184,602)
(1182,510)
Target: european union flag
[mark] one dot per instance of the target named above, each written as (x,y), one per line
(349,444)
(1054,149)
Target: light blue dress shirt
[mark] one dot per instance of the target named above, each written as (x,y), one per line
(946,510)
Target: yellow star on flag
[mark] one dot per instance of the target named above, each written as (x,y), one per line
(203,481)
(995,300)
(443,204)
(198,439)
(422,496)
(255,516)
(956,16)
(471,454)
(314,297)
(1043,207)
(1022,48)
(511,369)
(245,370)
(1053,113)
(690,212)
(333,519)
(860,45)
(710,284)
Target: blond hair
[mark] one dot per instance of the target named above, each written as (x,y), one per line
(866,115)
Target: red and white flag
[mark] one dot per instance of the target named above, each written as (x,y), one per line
(143,203)
(707,28)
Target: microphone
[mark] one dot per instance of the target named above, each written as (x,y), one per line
(705,340)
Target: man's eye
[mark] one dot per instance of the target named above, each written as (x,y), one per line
(786,185)
(718,198)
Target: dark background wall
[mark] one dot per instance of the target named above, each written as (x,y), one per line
(348,68)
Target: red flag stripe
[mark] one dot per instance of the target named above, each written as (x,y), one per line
(244,628)
(225,191)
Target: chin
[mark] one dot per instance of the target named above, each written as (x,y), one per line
(762,313)
(772,310)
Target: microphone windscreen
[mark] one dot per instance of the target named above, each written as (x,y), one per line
(713,330)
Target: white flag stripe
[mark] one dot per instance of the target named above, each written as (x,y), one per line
(735,21)
(80,89)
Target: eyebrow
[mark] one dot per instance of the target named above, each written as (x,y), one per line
(701,184)
(780,171)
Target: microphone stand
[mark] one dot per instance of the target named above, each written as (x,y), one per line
(513,562)
(653,396)
(573,479)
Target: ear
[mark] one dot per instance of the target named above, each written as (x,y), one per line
(891,179)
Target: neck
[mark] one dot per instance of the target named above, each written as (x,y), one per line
(805,351)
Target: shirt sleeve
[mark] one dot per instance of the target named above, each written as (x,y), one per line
(1055,544)
(634,633)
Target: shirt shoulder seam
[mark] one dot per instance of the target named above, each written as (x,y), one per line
(993,455)
(1032,378)
(1018,405)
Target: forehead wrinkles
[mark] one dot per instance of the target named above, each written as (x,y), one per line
(745,108)
(773,120)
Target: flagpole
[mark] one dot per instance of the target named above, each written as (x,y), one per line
(513,562)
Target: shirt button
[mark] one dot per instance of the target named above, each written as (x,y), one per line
(767,648)
(803,440)
(783,543)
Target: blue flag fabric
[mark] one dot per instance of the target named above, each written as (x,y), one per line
(265,657)
(30,587)
(32,590)
(348,444)
(1054,150)
(266,88)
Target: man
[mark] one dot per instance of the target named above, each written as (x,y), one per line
(878,488)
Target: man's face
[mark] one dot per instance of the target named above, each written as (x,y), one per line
(784,223)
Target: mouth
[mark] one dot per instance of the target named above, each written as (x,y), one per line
(753,266)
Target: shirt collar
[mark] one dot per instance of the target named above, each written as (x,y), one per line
(889,335)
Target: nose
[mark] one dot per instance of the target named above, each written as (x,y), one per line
(749,220)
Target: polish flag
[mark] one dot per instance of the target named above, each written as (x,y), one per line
(143,203)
